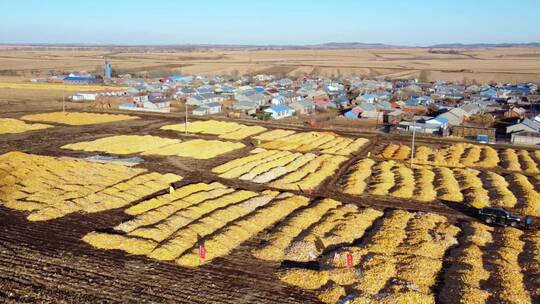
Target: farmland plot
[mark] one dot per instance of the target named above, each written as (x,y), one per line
(153,145)
(223,129)
(493,265)
(282,169)
(472,187)
(50,187)
(171,227)
(324,224)
(78,118)
(462,155)
(9,125)
(398,261)
(324,142)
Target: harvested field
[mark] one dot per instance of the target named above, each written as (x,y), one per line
(225,130)
(261,216)
(9,125)
(397,262)
(282,169)
(463,155)
(50,187)
(483,65)
(56,87)
(403,258)
(77,118)
(173,226)
(472,187)
(324,142)
(153,145)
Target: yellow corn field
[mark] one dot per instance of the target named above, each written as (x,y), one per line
(50,187)
(490,256)
(168,227)
(225,130)
(426,184)
(57,87)
(325,142)
(398,262)
(77,118)
(9,125)
(283,169)
(153,145)
(462,155)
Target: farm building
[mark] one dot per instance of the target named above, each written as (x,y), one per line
(279,112)
(79,80)
(207,109)
(470,130)
(303,107)
(526,125)
(84,96)
(526,138)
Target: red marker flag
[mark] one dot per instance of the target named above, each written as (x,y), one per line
(349,259)
(202,252)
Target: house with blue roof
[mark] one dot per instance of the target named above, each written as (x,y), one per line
(280,111)
(489,92)
(439,121)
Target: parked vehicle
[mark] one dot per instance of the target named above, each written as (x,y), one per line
(499,216)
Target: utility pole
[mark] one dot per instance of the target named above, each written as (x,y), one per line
(412,147)
(185,127)
(63,103)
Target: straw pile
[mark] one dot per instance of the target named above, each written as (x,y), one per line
(529,198)
(355,183)
(78,118)
(235,234)
(9,125)
(528,162)
(472,187)
(383,179)
(279,241)
(389,151)
(404,180)
(425,192)
(501,195)
(511,160)
(447,186)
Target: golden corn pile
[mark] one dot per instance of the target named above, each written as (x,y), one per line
(464,155)
(153,145)
(223,129)
(472,187)
(497,257)
(305,236)
(50,187)
(324,142)
(282,169)
(397,262)
(9,126)
(168,227)
(77,118)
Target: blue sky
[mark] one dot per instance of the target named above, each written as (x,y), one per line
(412,22)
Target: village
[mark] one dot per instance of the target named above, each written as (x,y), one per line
(486,113)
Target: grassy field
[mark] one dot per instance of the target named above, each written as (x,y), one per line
(482,65)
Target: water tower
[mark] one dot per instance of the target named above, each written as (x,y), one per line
(108,70)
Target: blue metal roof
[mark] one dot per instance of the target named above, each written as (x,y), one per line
(441,119)
(76,78)
(280,108)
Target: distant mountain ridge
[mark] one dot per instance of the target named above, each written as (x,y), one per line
(327,45)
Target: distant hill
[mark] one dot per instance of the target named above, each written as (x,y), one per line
(352,45)
(327,45)
(483,45)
